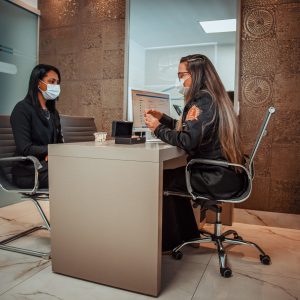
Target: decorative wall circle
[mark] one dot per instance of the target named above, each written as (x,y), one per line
(259,22)
(257,91)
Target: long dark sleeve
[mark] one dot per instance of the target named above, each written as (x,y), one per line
(60,138)
(21,126)
(168,121)
(190,138)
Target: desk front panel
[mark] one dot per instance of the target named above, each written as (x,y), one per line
(106,221)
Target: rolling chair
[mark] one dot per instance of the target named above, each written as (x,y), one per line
(7,159)
(208,203)
(77,129)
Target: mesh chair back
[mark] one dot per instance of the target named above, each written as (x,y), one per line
(77,129)
(7,149)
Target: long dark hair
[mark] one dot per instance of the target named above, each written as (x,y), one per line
(205,78)
(37,74)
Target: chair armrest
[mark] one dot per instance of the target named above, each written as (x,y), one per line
(208,162)
(220,163)
(36,163)
(211,162)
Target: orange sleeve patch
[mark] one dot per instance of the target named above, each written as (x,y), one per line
(193,113)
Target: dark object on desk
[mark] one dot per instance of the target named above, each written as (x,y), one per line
(34,194)
(130,140)
(208,202)
(231,96)
(178,109)
(122,129)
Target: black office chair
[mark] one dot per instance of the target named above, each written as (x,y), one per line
(77,129)
(207,203)
(7,159)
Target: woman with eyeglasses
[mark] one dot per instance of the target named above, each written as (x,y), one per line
(35,123)
(208,128)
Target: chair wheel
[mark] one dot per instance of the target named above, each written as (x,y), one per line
(177,255)
(226,272)
(265,259)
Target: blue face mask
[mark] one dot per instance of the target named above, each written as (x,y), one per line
(52,91)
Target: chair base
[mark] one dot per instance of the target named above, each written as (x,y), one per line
(219,239)
(4,246)
(3,243)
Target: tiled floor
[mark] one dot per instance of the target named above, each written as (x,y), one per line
(196,276)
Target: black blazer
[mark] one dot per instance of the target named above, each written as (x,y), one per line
(200,139)
(33,132)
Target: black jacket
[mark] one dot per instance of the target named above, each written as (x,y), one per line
(32,133)
(200,139)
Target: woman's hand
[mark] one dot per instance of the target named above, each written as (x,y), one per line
(151,122)
(155,113)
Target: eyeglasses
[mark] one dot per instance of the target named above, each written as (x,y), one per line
(181,74)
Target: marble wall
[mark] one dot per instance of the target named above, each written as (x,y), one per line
(85,39)
(269,68)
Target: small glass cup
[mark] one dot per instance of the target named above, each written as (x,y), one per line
(100,137)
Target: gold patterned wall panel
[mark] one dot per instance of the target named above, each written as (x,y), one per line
(259,22)
(85,40)
(270,75)
(257,90)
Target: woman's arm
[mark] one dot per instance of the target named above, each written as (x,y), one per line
(197,123)
(21,127)
(60,138)
(168,121)
(162,118)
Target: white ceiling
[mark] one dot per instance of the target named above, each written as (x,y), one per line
(158,23)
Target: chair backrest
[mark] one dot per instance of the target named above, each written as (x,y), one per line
(77,129)
(262,132)
(248,169)
(7,149)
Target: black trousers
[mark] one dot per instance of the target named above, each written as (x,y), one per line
(179,222)
(26,181)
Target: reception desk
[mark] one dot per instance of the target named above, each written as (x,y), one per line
(106,212)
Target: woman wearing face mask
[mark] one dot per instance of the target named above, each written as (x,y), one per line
(207,129)
(35,123)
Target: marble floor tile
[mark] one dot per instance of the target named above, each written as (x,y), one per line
(15,268)
(39,241)
(281,244)
(265,218)
(20,217)
(195,277)
(201,255)
(179,282)
(180,278)
(246,285)
(12,213)
(23,212)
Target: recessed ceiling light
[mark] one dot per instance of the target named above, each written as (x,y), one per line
(219,26)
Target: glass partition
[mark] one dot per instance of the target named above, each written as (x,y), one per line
(160,32)
(18,53)
(18,56)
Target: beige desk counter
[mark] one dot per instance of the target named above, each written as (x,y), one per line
(106,212)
